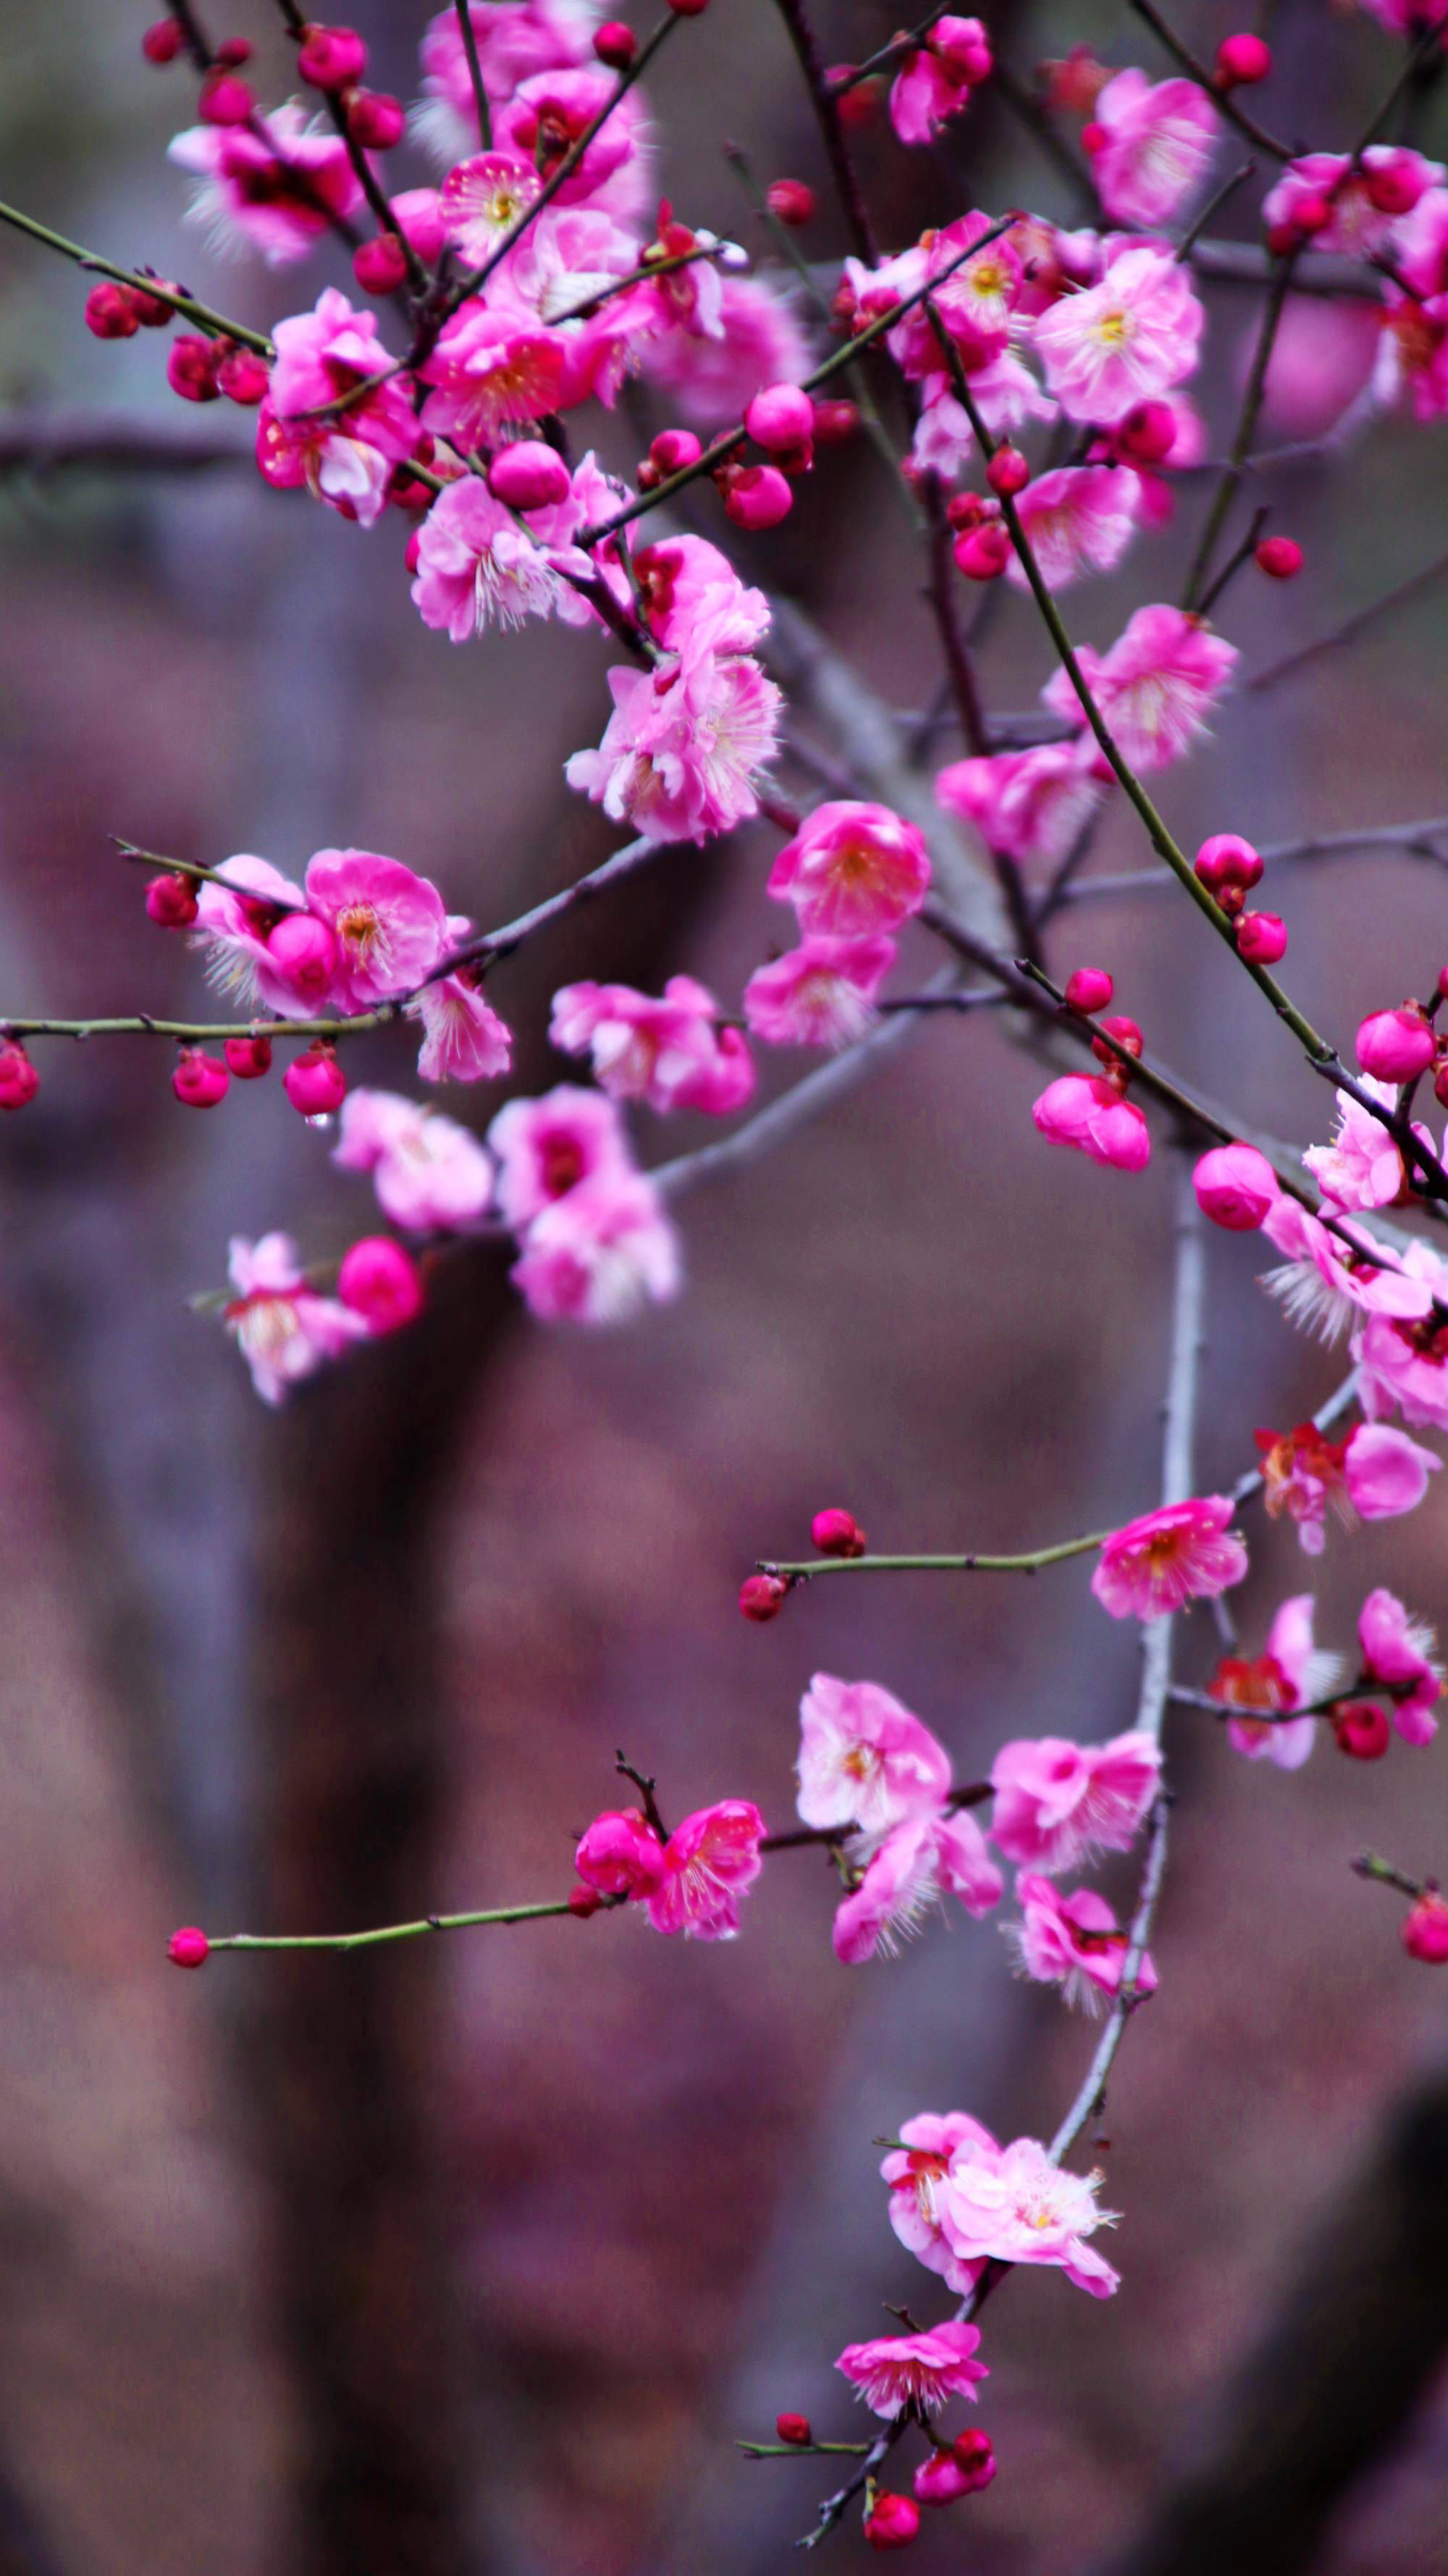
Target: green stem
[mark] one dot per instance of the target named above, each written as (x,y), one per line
(388,1931)
(1246,430)
(215,324)
(1026,1564)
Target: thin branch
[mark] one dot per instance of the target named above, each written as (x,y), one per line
(1029,1563)
(1222,99)
(1351,627)
(832,132)
(216,325)
(1246,431)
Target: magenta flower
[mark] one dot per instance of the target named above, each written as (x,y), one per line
(390,925)
(1079,520)
(708,1861)
(930,2145)
(552,109)
(599,1253)
(344,458)
(693,595)
(1057,1803)
(935,80)
(920,2370)
(1124,342)
(282,1328)
(515,39)
(481,199)
(1323,1288)
(246,193)
(671,1053)
(920,1862)
(620,1854)
(1362,1167)
(1402,1360)
(1386,1473)
(234,929)
(478,566)
(864,1758)
(1160,138)
(714,378)
(1027,804)
(1089,1113)
(819,994)
(1290,1673)
(427,1171)
(463,1039)
(1184,1552)
(1156,687)
(1073,1942)
(1398,1651)
(1018,2207)
(852,871)
(684,748)
(1344,183)
(1235,1186)
(488,369)
(547,1147)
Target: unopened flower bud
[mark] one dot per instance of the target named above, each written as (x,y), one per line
(1226,864)
(1008,471)
(314,1081)
(975,2453)
(792,2428)
(1094,138)
(790,202)
(892,2521)
(1395,186)
(380,265)
(381,1282)
(1425,1929)
(1126,1034)
(854,106)
(1089,989)
(781,416)
(583,1901)
(688,8)
(332,57)
(620,1854)
(983,552)
(1235,1187)
(956,2469)
(529,475)
(758,497)
(1440,1084)
(1361,1729)
(960,46)
(1261,938)
(19,1081)
(153,312)
(162,41)
(191,365)
(224,100)
(188,1948)
(1396,1046)
(199,1081)
(233,51)
(1149,433)
(837,1533)
(248,1058)
(835,421)
(110,311)
(674,449)
(762,1596)
(374,120)
(1242,61)
(171,901)
(615,44)
(1280,557)
(243,377)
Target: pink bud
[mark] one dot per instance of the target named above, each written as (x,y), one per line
(314,1082)
(19,1081)
(171,902)
(1235,1187)
(332,57)
(983,552)
(1094,138)
(1361,1729)
(1280,557)
(583,1901)
(790,201)
(1149,433)
(110,312)
(961,2469)
(1312,215)
(1425,1929)
(199,1081)
(375,120)
(224,100)
(966,56)
(248,1058)
(152,311)
(837,1533)
(529,476)
(792,2428)
(762,1596)
(782,416)
(615,44)
(1008,471)
(188,1948)
(620,1854)
(1395,1046)
(1126,1034)
(1242,60)
(1089,989)
(835,421)
(673,449)
(162,41)
(1226,864)
(1394,189)
(303,949)
(975,2453)
(243,376)
(892,2521)
(381,1282)
(758,495)
(380,265)
(233,51)
(1261,938)
(191,365)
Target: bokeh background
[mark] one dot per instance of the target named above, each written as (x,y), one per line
(472,2259)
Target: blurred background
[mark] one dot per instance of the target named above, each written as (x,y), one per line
(473,2258)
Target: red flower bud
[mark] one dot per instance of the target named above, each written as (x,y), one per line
(1148,434)
(1261,938)
(790,202)
(757,496)
(1008,471)
(780,416)
(583,1901)
(836,421)
(191,368)
(615,44)
(1281,557)
(110,311)
(892,2521)
(171,901)
(1227,864)
(1425,1929)
(332,57)
(243,377)
(224,100)
(1089,989)
(188,1948)
(248,1058)
(1242,60)
(983,552)
(673,449)
(374,120)
(314,1082)
(19,1081)
(199,1081)
(529,475)
(837,1533)
(762,1596)
(792,2428)
(1362,1729)
(1094,138)
(162,42)
(380,1281)
(380,265)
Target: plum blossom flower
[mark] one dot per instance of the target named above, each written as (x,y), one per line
(1183,1552)
(1088,1111)
(1007,397)
(390,925)
(488,368)
(551,110)
(714,378)
(1291,1672)
(1386,1472)
(234,928)
(684,748)
(481,199)
(515,39)
(567,257)
(1018,2207)
(1324,1285)
(1344,182)
(821,993)
(345,458)
(935,79)
(691,593)
(864,1758)
(930,2144)
(476,564)
(1026,804)
(920,2370)
(975,297)
(1155,687)
(246,194)
(599,1253)
(958,2469)
(1402,1361)
(1124,342)
(427,1171)
(282,1327)
(671,1053)
(917,1864)
(709,1859)
(852,870)
(1057,1803)
(1160,137)
(1362,1167)
(1398,1652)
(549,1146)
(1303,1473)
(1079,520)
(463,1039)
(1073,1942)
(620,1854)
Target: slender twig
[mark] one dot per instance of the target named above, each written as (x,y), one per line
(1240,555)
(832,133)
(1213,206)
(1370,1865)
(1246,431)
(893,52)
(1029,1563)
(1351,627)
(469,35)
(1222,99)
(215,325)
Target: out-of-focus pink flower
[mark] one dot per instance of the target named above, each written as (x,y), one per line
(1323,1287)
(671,1053)
(1124,342)
(684,748)
(345,459)
(1156,686)
(463,1039)
(390,925)
(1018,2207)
(821,993)
(515,40)
(551,110)
(1386,1472)
(1007,397)
(1073,1942)
(692,596)
(1302,1474)
(1078,520)
(918,1863)
(1184,1552)
(864,1758)
(708,1861)
(427,1171)
(1398,1652)
(549,1146)
(599,1253)
(1089,1112)
(935,79)
(620,1854)
(920,2370)
(1402,1361)
(975,297)
(1159,139)
(1027,804)
(1291,1672)
(930,2144)
(247,193)
(714,378)
(1235,1187)
(1344,182)
(851,870)
(233,928)
(1057,1802)
(487,369)
(282,1328)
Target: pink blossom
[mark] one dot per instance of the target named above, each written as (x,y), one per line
(478,562)
(569,255)
(427,1171)
(620,1854)
(919,1862)
(864,1758)
(935,79)
(684,748)
(390,925)
(713,379)
(1027,804)
(1235,1186)
(418,213)
(671,1053)
(234,930)
(1089,1112)
(244,195)
(1420,251)
(1124,342)
(692,595)
(599,1253)
(463,1038)
(550,111)
(486,370)
(1184,1552)
(547,1147)
(1386,1472)
(819,994)
(1156,686)
(1073,1942)
(1302,1474)
(346,460)
(1290,1673)
(930,2144)
(919,2370)
(709,1860)
(852,870)
(481,199)
(1018,2207)
(515,39)
(1323,1285)
(1362,1167)
(282,1328)
(1057,1803)
(1398,1651)
(1007,397)
(1079,520)
(1343,181)
(962,2469)
(1160,140)
(975,297)
(1412,356)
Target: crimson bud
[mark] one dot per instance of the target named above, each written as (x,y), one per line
(837,1533)
(332,57)
(199,1081)
(171,901)
(1281,557)
(892,2521)
(761,1596)
(110,312)
(615,44)
(795,2428)
(248,1058)
(19,1081)
(1425,1930)
(1242,61)
(188,1948)
(1089,989)
(790,201)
